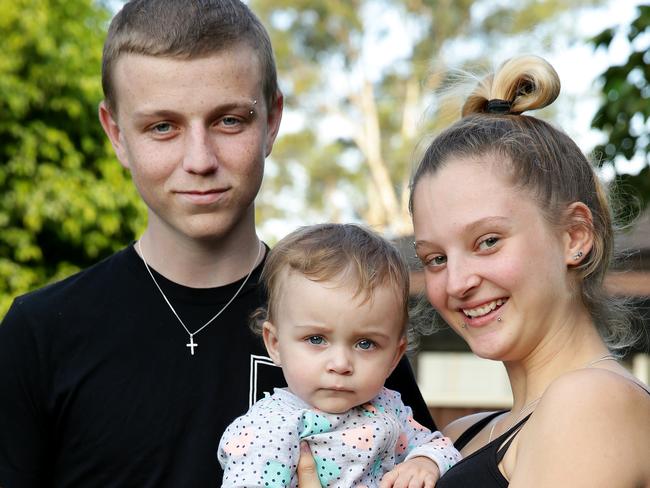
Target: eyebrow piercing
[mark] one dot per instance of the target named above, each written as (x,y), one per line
(252,110)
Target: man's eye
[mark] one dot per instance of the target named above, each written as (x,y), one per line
(162,128)
(230,121)
(316,340)
(365,344)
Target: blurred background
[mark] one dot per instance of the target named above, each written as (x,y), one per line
(363,83)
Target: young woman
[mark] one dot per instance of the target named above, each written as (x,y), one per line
(515,234)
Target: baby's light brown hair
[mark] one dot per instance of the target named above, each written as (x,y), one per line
(349,254)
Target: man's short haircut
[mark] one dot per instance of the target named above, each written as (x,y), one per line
(185,29)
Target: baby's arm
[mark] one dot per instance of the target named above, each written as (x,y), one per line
(418,471)
(427,455)
(259,449)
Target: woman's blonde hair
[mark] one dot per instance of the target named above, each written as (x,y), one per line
(545,162)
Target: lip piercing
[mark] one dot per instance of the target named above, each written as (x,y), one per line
(578,255)
(499,319)
(464,326)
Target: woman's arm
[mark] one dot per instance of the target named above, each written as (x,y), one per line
(592,428)
(307,475)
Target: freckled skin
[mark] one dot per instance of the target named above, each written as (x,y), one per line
(185,126)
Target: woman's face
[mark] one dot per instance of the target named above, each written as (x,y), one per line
(494,268)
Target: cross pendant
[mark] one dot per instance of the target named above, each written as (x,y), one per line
(192,345)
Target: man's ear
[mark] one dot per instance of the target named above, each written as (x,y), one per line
(270,336)
(578,233)
(401,349)
(274,118)
(113,132)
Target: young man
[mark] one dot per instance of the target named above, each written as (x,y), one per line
(127,373)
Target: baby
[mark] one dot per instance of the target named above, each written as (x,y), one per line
(336,324)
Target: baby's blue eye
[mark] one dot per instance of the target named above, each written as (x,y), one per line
(316,340)
(365,344)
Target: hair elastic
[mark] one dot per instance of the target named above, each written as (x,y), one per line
(498,106)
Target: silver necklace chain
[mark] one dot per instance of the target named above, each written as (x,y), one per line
(528,406)
(193,344)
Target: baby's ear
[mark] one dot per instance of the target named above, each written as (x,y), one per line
(401,349)
(270,336)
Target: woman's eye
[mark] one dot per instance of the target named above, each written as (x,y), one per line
(488,243)
(315,340)
(436,261)
(365,344)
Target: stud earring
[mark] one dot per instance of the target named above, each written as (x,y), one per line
(578,255)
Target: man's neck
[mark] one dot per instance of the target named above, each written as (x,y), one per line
(202,263)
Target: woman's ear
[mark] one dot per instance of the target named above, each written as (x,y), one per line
(578,233)
(270,336)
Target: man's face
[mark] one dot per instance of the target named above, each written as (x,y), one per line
(194,135)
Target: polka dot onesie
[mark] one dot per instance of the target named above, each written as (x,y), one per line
(351,449)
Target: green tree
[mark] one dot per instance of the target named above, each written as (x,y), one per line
(624,113)
(64,200)
(322,53)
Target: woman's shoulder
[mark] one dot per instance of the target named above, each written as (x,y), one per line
(595,388)
(587,414)
(456,428)
(589,408)
(601,398)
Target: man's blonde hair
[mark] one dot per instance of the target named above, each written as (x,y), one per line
(185,29)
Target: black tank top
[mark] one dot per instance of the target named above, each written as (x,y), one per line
(481,468)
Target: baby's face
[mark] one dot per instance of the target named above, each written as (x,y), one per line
(336,350)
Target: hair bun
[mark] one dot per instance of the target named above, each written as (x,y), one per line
(521,83)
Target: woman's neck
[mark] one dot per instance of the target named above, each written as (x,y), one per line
(573,347)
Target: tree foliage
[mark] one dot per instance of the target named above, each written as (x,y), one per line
(360,125)
(64,200)
(624,113)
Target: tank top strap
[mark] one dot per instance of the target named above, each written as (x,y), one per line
(474,429)
(510,436)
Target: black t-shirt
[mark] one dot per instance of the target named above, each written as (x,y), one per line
(98,388)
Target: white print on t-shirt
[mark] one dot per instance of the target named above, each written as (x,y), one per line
(264,376)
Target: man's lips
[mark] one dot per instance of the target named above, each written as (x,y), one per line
(202,196)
